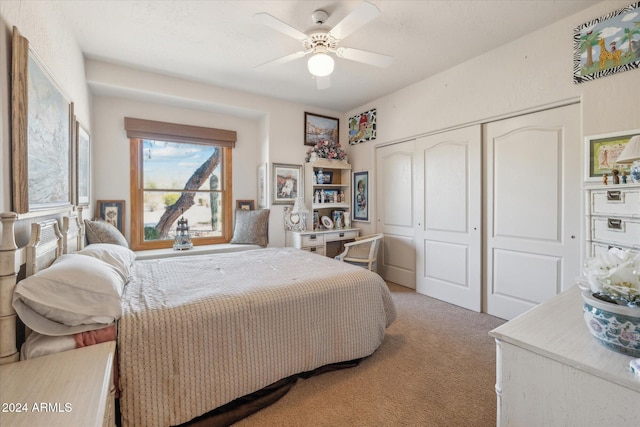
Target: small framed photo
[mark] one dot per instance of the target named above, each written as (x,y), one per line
(602,151)
(320,128)
(328,177)
(287,183)
(112,211)
(361,196)
(244,205)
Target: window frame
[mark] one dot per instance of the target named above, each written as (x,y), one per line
(139,130)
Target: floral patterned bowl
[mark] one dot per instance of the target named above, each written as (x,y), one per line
(615,326)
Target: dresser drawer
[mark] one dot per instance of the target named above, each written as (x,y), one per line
(616,230)
(315,249)
(603,248)
(341,235)
(312,240)
(618,201)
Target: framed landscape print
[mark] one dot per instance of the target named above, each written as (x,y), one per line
(601,152)
(83,166)
(112,211)
(361,196)
(320,128)
(287,183)
(42,123)
(607,45)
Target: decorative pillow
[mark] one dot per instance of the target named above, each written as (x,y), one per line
(252,227)
(75,294)
(103,232)
(115,255)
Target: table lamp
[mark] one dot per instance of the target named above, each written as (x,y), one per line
(631,155)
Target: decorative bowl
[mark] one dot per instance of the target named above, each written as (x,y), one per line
(615,326)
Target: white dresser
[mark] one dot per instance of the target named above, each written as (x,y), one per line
(323,242)
(613,218)
(552,372)
(71,388)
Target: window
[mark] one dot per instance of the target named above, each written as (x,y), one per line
(179,171)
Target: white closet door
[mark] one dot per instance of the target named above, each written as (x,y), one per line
(395,213)
(532,220)
(448,232)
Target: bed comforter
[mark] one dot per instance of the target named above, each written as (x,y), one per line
(200,331)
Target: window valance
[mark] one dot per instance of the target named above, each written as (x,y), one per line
(162,131)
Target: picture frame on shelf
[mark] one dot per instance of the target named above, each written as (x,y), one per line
(330,196)
(316,220)
(320,128)
(601,152)
(287,183)
(337,215)
(361,196)
(244,205)
(42,134)
(328,177)
(112,211)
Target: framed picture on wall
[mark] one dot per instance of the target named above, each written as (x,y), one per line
(42,123)
(112,211)
(363,127)
(244,205)
(287,183)
(361,196)
(83,165)
(320,128)
(601,152)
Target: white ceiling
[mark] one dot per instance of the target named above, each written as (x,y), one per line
(218,42)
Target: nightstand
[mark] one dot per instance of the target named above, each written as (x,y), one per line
(71,388)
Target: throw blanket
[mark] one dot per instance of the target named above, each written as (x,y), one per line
(200,331)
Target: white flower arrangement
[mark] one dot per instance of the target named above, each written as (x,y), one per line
(615,274)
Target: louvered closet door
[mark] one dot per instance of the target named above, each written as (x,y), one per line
(532,205)
(449,202)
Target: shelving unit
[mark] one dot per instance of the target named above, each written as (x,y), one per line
(341,182)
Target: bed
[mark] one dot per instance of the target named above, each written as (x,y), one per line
(198,332)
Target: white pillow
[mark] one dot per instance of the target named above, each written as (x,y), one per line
(75,294)
(118,256)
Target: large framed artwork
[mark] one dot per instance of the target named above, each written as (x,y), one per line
(602,151)
(363,127)
(607,45)
(112,211)
(42,123)
(287,183)
(83,165)
(361,196)
(320,128)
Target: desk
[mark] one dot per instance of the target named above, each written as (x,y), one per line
(322,242)
(552,372)
(71,388)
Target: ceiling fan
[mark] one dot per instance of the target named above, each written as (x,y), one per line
(320,42)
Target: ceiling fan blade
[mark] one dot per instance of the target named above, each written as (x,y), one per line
(281,60)
(366,57)
(361,15)
(323,83)
(276,24)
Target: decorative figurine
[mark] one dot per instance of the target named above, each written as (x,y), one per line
(605,178)
(624,177)
(342,200)
(316,198)
(616,178)
(322,195)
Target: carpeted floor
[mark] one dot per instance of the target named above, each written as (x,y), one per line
(436,367)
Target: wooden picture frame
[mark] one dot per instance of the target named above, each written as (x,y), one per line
(601,152)
(287,183)
(361,196)
(112,211)
(83,166)
(42,136)
(363,127)
(607,45)
(320,128)
(244,205)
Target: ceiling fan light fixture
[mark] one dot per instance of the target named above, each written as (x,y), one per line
(320,64)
